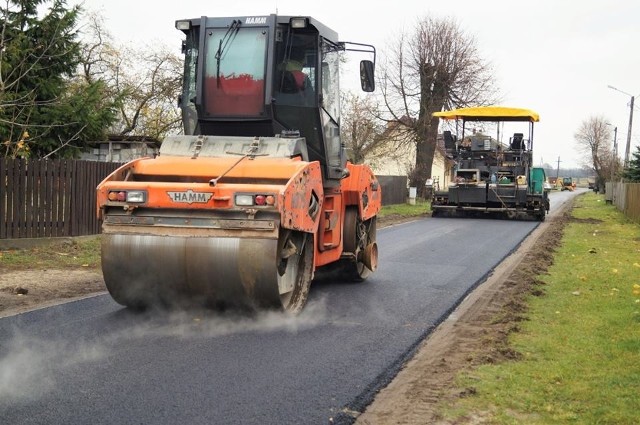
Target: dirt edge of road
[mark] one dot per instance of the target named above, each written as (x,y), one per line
(22,291)
(475,333)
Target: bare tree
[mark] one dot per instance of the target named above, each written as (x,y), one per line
(437,67)
(145,81)
(150,82)
(594,140)
(360,128)
(95,48)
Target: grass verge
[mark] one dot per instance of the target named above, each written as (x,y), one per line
(579,348)
(421,207)
(67,254)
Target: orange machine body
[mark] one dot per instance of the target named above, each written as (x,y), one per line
(300,202)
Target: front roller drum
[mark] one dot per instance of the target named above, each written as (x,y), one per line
(147,270)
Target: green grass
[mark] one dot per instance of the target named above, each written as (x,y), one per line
(581,343)
(76,253)
(406,210)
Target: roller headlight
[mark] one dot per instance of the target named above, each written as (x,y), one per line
(136,196)
(244,200)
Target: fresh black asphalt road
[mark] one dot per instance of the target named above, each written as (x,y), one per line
(94,362)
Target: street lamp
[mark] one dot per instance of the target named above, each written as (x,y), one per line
(626,152)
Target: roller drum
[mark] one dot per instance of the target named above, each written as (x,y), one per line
(143,270)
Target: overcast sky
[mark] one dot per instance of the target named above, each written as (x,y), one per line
(556,57)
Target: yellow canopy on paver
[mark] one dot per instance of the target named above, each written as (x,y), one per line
(489,113)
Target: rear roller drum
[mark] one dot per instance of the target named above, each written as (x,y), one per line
(294,268)
(360,241)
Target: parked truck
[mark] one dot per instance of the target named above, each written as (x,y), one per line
(257,195)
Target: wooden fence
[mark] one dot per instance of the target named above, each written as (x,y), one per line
(626,197)
(394,189)
(49,198)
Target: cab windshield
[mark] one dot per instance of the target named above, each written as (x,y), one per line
(235,71)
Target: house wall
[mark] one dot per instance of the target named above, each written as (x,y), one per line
(400,159)
(390,160)
(441,170)
(118,152)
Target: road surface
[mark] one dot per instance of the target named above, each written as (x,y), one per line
(92,361)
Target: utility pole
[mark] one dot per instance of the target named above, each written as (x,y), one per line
(558,171)
(626,152)
(615,152)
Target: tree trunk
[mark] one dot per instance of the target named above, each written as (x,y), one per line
(432,99)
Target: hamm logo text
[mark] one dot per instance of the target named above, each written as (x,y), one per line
(190,197)
(257,20)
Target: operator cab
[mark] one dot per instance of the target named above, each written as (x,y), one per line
(268,76)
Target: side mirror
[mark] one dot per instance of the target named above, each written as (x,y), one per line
(367,79)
